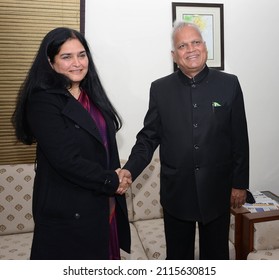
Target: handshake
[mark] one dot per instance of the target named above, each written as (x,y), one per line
(125,180)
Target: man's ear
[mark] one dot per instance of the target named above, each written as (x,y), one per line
(173,56)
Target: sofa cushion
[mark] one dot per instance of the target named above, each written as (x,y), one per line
(15,246)
(145,192)
(137,251)
(151,233)
(18,247)
(264,255)
(16,187)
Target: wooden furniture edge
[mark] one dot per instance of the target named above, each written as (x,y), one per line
(238,213)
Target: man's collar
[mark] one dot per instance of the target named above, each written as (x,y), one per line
(195,80)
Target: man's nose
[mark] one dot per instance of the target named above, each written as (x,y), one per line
(190,47)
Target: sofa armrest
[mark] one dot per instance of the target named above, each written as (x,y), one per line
(248,228)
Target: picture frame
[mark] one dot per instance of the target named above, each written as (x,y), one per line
(210,20)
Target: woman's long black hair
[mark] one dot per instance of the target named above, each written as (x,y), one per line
(41,76)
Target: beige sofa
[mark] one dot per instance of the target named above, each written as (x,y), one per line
(16,221)
(144,209)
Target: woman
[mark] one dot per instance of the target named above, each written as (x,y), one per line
(78,208)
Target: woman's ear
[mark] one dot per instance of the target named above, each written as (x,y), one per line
(50,63)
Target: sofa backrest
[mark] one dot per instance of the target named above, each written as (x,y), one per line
(146,193)
(16,187)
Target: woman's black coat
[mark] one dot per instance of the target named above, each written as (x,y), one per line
(72,183)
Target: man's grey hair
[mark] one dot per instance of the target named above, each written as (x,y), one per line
(179,24)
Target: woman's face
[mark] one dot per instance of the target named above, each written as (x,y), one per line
(71,61)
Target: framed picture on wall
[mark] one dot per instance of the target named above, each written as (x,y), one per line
(210,20)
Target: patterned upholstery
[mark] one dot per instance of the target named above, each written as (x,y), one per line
(152,236)
(137,251)
(16,220)
(15,246)
(144,211)
(264,255)
(266,235)
(148,214)
(16,184)
(145,192)
(266,241)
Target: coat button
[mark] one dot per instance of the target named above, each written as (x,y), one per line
(77,216)
(107,181)
(197,168)
(196,147)
(195,105)
(195,125)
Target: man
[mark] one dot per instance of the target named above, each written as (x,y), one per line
(197,116)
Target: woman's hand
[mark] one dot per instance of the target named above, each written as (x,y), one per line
(125,180)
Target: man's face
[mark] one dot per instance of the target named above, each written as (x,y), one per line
(190,52)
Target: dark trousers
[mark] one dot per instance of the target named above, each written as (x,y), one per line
(213,238)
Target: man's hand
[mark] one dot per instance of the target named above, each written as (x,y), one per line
(238,197)
(125,180)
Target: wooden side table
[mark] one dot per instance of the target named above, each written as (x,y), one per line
(244,226)
(238,215)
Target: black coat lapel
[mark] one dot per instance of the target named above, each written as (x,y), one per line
(74,111)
